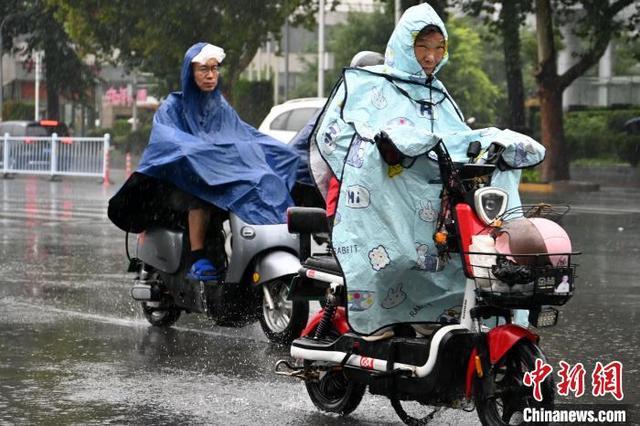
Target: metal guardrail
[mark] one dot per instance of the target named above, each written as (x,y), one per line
(55,156)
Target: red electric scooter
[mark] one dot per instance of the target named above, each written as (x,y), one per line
(459,361)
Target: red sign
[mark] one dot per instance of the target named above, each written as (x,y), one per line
(121,96)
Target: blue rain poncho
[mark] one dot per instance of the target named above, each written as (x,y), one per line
(383,230)
(200,145)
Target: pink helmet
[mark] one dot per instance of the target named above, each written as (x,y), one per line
(535,235)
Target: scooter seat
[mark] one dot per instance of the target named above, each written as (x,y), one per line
(324,263)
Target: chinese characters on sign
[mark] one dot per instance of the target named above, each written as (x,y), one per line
(122,96)
(605,379)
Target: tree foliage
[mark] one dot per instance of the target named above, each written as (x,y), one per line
(464,76)
(596,23)
(627,55)
(440,6)
(154,35)
(361,31)
(506,19)
(64,71)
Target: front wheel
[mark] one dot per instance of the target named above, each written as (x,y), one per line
(510,396)
(287,319)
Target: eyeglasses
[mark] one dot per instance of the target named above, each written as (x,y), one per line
(204,70)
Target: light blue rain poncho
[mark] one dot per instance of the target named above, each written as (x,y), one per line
(384,226)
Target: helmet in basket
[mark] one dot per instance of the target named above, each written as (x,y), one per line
(531,236)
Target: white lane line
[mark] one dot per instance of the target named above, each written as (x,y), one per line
(135,323)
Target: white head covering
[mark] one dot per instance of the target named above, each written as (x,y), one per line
(209,51)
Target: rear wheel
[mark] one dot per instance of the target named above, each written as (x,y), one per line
(510,395)
(287,319)
(159,316)
(161,313)
(333,392)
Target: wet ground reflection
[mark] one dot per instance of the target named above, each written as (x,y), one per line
(74,348)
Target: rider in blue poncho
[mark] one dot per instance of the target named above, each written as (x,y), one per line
(201,158)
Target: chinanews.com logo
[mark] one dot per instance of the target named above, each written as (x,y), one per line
(603,380)
(577,414)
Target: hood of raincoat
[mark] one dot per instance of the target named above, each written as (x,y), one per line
(199,108)
(200,145)
(399,54)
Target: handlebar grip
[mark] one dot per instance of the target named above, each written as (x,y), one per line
(390,154)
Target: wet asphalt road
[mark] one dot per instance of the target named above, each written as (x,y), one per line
(74,348)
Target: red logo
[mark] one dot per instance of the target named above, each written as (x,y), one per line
(366,362)
(607,379)
(537,376)
(572,379)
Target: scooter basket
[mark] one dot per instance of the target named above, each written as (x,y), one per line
(523,281)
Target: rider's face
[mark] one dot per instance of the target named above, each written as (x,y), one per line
(429,50)
(206,75)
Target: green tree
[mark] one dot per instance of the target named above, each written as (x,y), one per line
(627,55)
(596,23)
(506,18)
(440,6)
(465,75)
(153,35)
(362,31)
(64,71)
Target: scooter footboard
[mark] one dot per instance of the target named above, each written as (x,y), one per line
(347,350)
(445,382)
(410,368)
(419,356)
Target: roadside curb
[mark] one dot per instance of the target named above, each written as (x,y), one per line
(560,186)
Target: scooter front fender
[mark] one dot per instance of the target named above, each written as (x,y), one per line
(503,337)
(339,322)
(500,340)
(275,264)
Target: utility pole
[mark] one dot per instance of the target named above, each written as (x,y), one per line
(286,59)
(5,19)
(321,49)
(134,97)
(37,93)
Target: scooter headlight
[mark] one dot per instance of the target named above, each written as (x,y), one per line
(545,317)
(490,203)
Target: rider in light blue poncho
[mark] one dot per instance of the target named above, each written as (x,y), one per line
(200,146)
(383,229)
